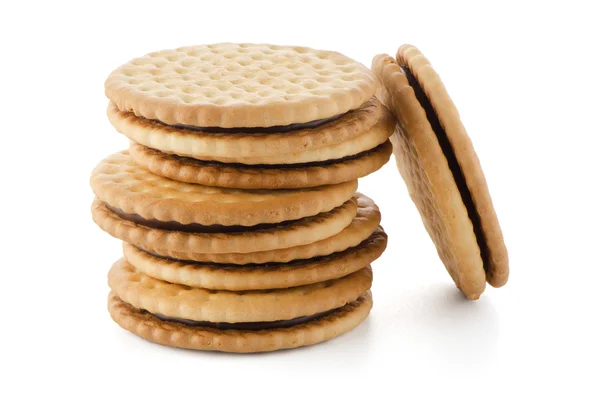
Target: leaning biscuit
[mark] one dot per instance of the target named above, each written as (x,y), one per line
(240,85)
(481,210)
(131,189)
(239,176)
(175,334)
(199,304)
(276,236)
(422,155)
(259,277)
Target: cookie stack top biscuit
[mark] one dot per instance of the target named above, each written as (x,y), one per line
(240,85)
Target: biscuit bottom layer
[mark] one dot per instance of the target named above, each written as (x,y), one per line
(247,326)
(292,263)
(448,150)
(179,335)
(190,227)
(290,166)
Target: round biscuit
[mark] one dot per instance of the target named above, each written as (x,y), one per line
(238,176)
(491,240)
(190,246)
(244,142)
(279,236)
(232,85)
(199,304)
(153,329)
(123,184)
(259,277)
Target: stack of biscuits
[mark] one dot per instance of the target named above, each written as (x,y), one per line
(236,201)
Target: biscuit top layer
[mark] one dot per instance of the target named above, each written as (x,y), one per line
(123,184)
(240,85)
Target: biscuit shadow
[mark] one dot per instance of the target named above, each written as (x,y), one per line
(458,330)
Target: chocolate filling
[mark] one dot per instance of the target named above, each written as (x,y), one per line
(251,326)
(190,227)
(296,262)
(261,130)
(459,177)
(283,166)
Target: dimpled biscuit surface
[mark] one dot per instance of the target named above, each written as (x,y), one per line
(240,85)
(123,184)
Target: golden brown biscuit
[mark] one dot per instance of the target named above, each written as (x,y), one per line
(240,85)
(473,185)
(185,246)
(259,277)
(276,236)
(199,304)
(169,333)
(238,176)
(244,142)
(367,140)
(422,156)
(124,185)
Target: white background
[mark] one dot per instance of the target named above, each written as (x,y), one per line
(525,79)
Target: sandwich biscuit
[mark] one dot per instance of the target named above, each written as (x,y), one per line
(442,172)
